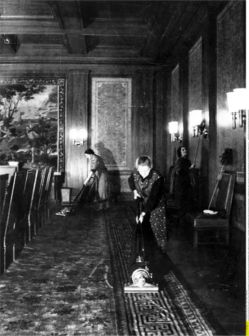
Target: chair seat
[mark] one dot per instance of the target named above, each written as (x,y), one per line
(221,199)
(208,222)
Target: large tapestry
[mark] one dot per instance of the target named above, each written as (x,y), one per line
(32,121)
(111,121)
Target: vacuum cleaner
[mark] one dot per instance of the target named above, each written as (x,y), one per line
(141,277)
(82,196)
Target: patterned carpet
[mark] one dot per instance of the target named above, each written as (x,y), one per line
(171,311)
(60,283)
(68,282)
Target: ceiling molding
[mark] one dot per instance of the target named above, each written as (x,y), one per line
(155,31)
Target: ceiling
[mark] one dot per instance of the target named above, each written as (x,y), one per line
(132,31)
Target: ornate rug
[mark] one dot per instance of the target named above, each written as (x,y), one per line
(60,284)
(171,311)
(67,282)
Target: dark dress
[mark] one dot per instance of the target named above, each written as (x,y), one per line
(151,190)
(182,185)
(98,167)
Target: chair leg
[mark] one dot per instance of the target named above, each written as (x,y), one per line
(14,252)
(195,238)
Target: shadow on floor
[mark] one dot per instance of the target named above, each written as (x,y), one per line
(215,275)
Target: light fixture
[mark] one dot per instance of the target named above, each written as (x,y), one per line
(8,39)
(10,42)
(174,131)
(197,123)
(78,136)
(237,101)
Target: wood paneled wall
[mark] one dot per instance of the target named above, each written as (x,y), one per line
(147,129)
(231,75)
(143,120)
(220,59)
(76,117)
(160,135)
(215,65)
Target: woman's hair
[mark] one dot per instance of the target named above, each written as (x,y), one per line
(143,160)
(178,152)
(89,151)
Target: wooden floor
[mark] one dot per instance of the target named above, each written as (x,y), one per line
(214,274)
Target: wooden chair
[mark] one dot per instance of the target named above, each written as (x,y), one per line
(5,218)
(221,203)
(33,193)
(46,203)
(29,187)
(42,194)
(33,209)
(15,233)
(3,191)
(5,169)
(3,186)
(12,212)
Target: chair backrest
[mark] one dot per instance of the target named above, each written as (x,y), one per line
(28,188)
(8,206)
(222,200)
(36,189)
(49,182)
(3,189)
(15,203)
(5,169)
(44,175)
(18,197)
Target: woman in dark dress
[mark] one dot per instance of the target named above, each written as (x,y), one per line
(99,170)
(182,184)
(148,185)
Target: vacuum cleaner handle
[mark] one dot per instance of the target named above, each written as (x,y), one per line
(139,205)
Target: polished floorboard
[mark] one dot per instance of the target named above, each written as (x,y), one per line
(214,274)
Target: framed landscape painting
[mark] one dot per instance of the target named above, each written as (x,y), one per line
(32,113)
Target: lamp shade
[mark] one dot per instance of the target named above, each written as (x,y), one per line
(83,133)
(78,134)
(195,117)
(241,98)
(232,101)
(173,127)
(73,133)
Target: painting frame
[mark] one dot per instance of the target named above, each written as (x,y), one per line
(60,83)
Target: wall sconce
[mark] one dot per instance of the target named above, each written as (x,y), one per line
(174,131)
(237,101)
(78,136)
(6,39)
(197,122)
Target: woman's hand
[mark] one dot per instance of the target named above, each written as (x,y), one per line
(139,219)
(136,194)
(88,178)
